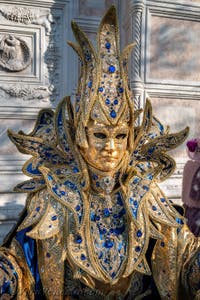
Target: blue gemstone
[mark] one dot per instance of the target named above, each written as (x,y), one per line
(111,69)
(119,201)
(139,233)
(121,90)
(75,170)
(54,218)
(115,102)
(149,176)
(78,239)
(162,244)
(37,208)
(97,184)
(90,84)
(100,255)
(107,101)
(78,207)
(108,244)
(62,193)
(92,216)
(137,248)
(48,254)
(106,212)
(162,199)
(107,45)
(154,207)
(113,114)
(113,274)
(83,257)
(145,187)
(101,89)
(88,57)
(102,231)
(135,203)
(151,150)
(119,230)
(94,176)
(136,180)
(97,218)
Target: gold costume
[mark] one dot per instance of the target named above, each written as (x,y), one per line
(96,225)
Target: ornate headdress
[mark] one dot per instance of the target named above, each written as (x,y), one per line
(103,94)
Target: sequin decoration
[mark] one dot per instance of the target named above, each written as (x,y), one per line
(66,192)
(109,233)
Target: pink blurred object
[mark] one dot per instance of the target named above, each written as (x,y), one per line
(191,186)
(193,148)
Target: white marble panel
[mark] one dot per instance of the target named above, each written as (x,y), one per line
(174,48)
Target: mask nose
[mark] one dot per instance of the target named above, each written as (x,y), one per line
(110,145)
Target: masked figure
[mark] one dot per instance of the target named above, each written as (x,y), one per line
(96,225)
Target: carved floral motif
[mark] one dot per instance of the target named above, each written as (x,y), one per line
(50,20)
(27,16)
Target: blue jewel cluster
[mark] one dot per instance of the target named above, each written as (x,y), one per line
(108,225)
(75,200)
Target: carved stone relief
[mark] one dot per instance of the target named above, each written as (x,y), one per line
(15,54)
(30,54)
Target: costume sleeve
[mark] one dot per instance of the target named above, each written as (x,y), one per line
(8,274)
(16,282)
(189,262)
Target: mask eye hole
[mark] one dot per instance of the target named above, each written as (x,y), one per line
(100,135)
(121,136)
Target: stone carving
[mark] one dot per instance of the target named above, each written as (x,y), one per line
(27,16)
(27,92)
(15,54)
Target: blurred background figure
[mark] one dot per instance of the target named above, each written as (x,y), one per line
(191,186)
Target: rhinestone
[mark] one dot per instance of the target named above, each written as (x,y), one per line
(100,89)
(90,84)
(83,257)
(78,239)
(107,101)
(107,45)
(78,207)
(111,69)
(106,212)
(162,244)
(108,244)
(137,249)
(139,233)
(113,114)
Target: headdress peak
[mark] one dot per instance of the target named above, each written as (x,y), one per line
(102,93)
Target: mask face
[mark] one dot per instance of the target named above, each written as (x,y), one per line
(107,145)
